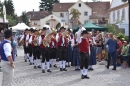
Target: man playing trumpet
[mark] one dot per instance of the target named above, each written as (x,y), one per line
(44,41)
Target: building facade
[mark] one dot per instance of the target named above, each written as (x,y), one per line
(119,14)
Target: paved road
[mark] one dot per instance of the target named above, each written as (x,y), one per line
(25,75)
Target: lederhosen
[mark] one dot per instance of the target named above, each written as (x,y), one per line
(62,49)
(30,48)
(84,53)
(36,50)
(53,50)
(45,51)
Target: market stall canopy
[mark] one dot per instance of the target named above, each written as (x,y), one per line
(89,26)
(20,26)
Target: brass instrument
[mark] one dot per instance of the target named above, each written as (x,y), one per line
(65,34)
(47,39)
(36,40)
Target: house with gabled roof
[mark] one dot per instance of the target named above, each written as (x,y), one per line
(119,14)
(90,12)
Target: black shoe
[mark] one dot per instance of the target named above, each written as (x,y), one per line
(82,76)
(61,69)
(16,55)
(107,67)
(25,60)
(30,63)
(66,66)
(86,77)
(43,71)
(77,69)
(35,67)
(64,69)
(39,66)
(114,69)
(91,69)
(49,70)
(55,65)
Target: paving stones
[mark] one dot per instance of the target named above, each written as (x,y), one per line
(26,75)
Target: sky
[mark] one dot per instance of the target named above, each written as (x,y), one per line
(29,5)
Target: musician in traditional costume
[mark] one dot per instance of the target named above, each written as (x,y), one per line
(75,59)
(84,52)
(30,49)
(62,48)
(69,48)
(53,50)
(23,40)
(43,40)
(34,40)
(92,59)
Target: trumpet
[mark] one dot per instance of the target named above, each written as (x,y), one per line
(65,34)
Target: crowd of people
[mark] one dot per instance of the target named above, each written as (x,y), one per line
(81,50)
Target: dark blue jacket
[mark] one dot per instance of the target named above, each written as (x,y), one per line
(111,45)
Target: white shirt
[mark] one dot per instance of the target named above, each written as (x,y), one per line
(7,48)
(30,40)
(22,38)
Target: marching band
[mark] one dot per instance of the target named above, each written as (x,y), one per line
(42,49)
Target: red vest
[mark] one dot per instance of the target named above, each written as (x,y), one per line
(24,38)
(41,45)
(84,46)
(60,41)
(53,41)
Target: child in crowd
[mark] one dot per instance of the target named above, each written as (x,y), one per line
(124,54)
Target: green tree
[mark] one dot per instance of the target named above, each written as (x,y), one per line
(1,9)
(47,4)
(9,7)
(11,20)
(24,18)
(75,15)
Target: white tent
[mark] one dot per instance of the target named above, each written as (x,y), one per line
(20,26)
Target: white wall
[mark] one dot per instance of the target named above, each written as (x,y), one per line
(116,3)
(125,22)
(66,14)
(82,9)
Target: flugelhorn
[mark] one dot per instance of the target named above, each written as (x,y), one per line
(47,38)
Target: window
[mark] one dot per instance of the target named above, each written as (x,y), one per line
(118,14)
(114,16)
(85,21)
(79,4)
(123,14)
(61,15)
(47,23)
(85,13)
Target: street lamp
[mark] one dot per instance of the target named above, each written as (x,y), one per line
(129,13)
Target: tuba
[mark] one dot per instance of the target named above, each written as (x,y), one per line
(35,42)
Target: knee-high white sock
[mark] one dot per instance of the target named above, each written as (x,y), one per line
(54,61)
(82,71)
(43,66)
(64,63)
(39,62)
(35,63)
(50,61)
(25,56)
(60,63)
(85,71)
(31,59)
(48,65)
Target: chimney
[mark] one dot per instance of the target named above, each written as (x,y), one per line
(33,12)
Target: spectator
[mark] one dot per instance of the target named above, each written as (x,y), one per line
(112,48)
(119,52)
(124,54)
